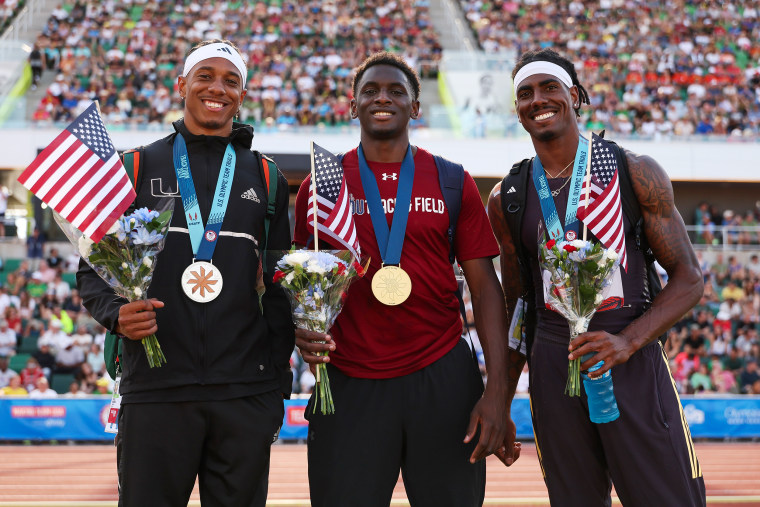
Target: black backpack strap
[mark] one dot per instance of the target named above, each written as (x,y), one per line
(451,180)
(514,193)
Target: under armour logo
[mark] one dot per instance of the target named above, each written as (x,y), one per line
(511,190)
(392,176)
(225,49)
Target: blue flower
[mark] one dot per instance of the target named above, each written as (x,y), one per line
(141,236)
(144,215)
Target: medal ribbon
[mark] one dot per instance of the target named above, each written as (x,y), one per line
(390,242)
(203,240)
(548,207)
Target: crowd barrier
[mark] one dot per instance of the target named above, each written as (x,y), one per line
(718,417)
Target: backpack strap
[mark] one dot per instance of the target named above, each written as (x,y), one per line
(269,173)
(451,180)
(514,193)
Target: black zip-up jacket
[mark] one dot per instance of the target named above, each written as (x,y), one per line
(225,348)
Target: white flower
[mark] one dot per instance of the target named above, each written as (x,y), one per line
(578,243)
(315,267)
(138,292)
(598,299)
(147,261)
(297,258)
(116,227)
(85,246)
(289,277)
(611,254)
(124,265)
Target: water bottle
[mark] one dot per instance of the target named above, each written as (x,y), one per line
(602,406)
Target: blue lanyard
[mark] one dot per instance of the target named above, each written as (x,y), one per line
(548,208)
(203,240)
(390,243)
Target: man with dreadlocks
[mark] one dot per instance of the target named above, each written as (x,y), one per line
(647,452)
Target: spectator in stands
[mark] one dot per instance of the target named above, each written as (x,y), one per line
(54,337)
(749,376)
(36,287)
(5,373)
(700,380)
(8,339)
(58,288)
(69,357)
(37,65)
(45,358)
(35,245)
(87,377)
(31,374)
(754,265)
(54,259)
(14,388)
(42,390)
(74,391)
(723,381)
(82,338)
(4,194)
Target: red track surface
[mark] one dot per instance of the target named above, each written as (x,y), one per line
(82,475)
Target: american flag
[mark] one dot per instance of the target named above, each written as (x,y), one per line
(603,215)
(81,177)
(334,217)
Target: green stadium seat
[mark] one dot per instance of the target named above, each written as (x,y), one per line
(18,362)
(28,344)
(61,381)
(70,278)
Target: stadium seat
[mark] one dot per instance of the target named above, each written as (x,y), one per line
(61,381)
(18,362)
(70,278)
(28,344)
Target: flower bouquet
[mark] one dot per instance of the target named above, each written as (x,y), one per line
(316,283)
(578,272)
(126,257)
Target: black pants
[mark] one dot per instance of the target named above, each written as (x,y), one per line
(415,423)
(647,452)
(226,444)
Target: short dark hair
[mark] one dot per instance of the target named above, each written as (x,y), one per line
(392,59)
(549,55)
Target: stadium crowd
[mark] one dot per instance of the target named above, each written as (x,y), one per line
(655,69)
(8,9)
(300,55)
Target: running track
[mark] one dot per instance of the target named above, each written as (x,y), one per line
(84,475)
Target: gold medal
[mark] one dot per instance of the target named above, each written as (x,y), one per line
(391,285)
(202,282)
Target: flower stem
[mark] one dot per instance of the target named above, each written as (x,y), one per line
(153,351)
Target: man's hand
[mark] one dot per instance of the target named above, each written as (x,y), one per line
(491,412)
(310,343)
(610,348)
(510,451)
(137,320)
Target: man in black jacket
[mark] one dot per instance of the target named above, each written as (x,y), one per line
(215,407)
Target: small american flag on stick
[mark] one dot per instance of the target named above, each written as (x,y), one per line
(333,208)
(81,177)
(603,213)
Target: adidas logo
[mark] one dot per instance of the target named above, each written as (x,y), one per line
(511,190)
(250,194)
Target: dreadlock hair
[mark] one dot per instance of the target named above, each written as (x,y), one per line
(549,55)
(392,59)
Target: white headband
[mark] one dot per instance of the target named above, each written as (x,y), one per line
(216,50)
(542,67)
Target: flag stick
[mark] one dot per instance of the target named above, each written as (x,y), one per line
(314,199)
(588,177)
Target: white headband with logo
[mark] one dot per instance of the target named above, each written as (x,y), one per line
(542,67)
(216,50)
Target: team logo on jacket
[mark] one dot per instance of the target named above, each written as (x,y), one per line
(570,235)
(250,194)
(210,236)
